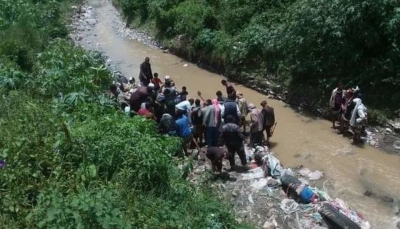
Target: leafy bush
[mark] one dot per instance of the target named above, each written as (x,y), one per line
(69,158)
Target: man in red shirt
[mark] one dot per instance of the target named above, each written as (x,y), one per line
(147,112)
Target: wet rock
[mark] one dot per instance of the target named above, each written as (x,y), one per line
(368,193)
(372,142)
(387,199)
(271,213)
(268,225)
(396,145)
(78,37)
(91,21)
(395,126)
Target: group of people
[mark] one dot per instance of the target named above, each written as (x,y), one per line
(348,109)
(220,121)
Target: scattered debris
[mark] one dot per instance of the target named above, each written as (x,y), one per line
(289,206)
(315,175)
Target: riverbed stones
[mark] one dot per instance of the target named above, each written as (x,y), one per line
(395,125)
(268,225)
(91,21)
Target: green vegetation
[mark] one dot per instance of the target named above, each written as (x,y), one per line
(72,160)
(308,44)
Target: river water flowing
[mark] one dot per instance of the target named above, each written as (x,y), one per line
(298,139)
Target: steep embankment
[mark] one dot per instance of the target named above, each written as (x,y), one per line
(68,157)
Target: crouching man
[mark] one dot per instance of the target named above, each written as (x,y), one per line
(215,155)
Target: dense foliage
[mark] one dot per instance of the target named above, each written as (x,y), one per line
(68,157)
(309,44)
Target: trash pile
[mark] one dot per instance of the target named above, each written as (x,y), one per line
(312,207)
(271,196)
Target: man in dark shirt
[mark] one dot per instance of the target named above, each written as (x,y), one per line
(215,155)
(167,125)
(230,90)
(221,99)
(269,119)
(233,138)
(145,74)
(138,97)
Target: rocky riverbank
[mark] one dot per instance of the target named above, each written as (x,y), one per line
(238,191)
(383,137)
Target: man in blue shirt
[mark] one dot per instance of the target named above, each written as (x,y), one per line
(184,130)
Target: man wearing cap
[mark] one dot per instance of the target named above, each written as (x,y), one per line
(242,103)
(145,74)
(256,126)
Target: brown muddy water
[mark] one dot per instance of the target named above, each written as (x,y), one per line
(298,140)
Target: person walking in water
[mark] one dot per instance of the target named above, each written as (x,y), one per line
(212,122)
(269,119)
(336,102)
(256,126)
(145,74)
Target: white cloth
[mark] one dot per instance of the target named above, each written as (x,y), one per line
(184,106)
(289,206)
(359,110)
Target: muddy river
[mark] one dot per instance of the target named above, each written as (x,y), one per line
(298,140)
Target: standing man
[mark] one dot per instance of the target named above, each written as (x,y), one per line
(269,119)
(229,88)
(221,99)
(243,110)
(212,121)
(145,74)
(256,126)
(335,103)
(197,120)
(231,108)
(232,137)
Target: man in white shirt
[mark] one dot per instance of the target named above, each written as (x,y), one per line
(187,107)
